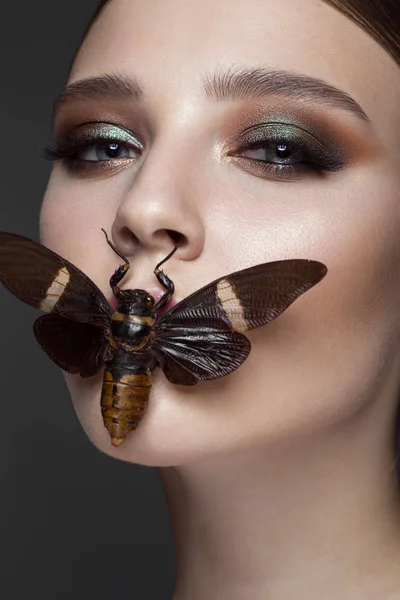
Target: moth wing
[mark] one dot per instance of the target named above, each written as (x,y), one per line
(74,347)
(191,355)
(245,299)
(45,280)
(201,335)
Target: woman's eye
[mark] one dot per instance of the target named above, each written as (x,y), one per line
(279,153)
(102,151)
(95,147)
(269,152)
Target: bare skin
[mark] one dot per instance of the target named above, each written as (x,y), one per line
(280,477)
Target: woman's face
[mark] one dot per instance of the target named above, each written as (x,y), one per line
(245,166)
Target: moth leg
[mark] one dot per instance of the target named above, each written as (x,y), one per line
(108,354)
(165,281)
(121,271)
(113,344)
(117,277)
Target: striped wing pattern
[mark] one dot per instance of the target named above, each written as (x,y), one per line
(203,333)
(201,338)
(73,335)
(38,277)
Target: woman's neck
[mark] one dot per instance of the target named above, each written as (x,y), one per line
(312,519)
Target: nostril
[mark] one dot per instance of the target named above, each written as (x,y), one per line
(127,237)
(178,238)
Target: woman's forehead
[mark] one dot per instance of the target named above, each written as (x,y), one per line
(175,44)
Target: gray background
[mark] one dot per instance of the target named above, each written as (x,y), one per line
(59,495)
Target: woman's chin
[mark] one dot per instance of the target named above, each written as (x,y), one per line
(168,434)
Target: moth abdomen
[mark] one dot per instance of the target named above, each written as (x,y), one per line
(124,402)
(125,393)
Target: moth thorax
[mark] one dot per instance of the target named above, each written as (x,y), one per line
(131,328)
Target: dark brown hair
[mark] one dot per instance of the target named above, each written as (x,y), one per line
(379,18)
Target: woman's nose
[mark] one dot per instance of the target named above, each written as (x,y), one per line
(160,210)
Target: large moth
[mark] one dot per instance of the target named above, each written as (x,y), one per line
(200,338)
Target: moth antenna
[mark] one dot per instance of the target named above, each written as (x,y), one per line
(114,248)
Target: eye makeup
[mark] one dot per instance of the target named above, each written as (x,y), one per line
(113,139)
(285,150)
(287,142)
(277,144)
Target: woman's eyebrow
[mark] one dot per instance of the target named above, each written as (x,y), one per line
(233,84)
(228,84)
(108,87)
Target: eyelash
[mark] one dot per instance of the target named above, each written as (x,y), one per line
(319,161)
(314,161)
(66,150)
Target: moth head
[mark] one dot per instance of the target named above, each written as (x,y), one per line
(135,302)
